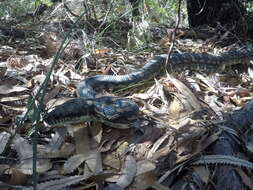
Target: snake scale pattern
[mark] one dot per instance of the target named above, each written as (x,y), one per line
(121,112)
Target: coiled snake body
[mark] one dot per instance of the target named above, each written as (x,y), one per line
(120,112)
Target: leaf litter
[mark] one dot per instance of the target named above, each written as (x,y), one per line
(180,117)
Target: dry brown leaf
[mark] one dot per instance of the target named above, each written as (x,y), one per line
(4,172)
(4,139)
(26,166)
(158,186)
(184,90)
(143,181)
(57,139)
(52,94)
(179,107)
(113,159)
(2,71)
(3,168)
(108,140)
(96,132)
(73,163)
(208,82)
(92,160)
(59,184)
(52,43)
(62,76)
(14,98)
(5,120)
(144,166)
(83,141)
(128,172)
(6,89)
(17,177)
(214,104)
(17,62)
(102,52)
(17,103)
(201,146)
(206,141)
(23,64)
(203,173)
(55,102)
(22,147)
(66,150)
(155,153)
(25,154)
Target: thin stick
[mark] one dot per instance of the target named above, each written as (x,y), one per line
(173,37)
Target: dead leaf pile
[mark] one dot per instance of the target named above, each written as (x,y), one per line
(180,118)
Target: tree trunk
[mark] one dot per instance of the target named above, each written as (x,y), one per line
(227,13)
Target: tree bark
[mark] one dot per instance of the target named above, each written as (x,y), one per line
(229,13)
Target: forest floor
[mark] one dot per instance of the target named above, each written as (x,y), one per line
(182,113)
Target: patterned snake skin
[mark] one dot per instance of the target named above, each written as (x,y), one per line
(121,112)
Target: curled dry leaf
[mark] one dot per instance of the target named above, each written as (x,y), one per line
(184,90)
(158,150)
(214,104)
(51,43)
(23,64)
(4,139)
(73,163)
(17,62)
(155,101)
(210,83)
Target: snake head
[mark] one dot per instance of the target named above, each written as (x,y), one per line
(114,108)
(112,111)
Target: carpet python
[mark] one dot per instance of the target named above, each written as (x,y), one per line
(121,112)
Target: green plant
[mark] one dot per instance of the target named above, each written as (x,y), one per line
(15,8)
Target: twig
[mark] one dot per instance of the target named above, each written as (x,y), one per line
(173,37)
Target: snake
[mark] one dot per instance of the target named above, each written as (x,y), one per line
(121,112)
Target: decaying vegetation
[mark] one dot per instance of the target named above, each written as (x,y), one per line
(196,128)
